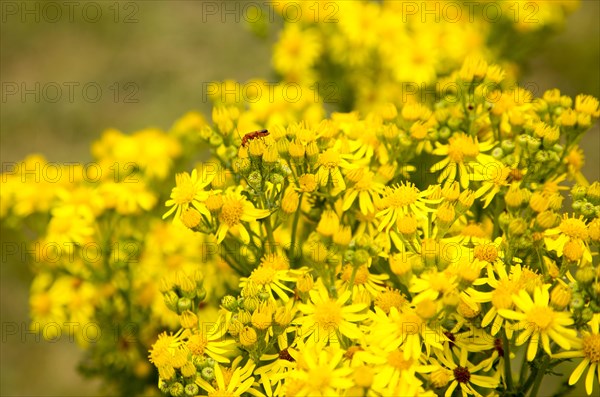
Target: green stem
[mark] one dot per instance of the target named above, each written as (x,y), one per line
(295,230)
(352,277)
(523,370)
(541,371)
(507,369)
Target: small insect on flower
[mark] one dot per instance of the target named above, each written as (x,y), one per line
(253,135)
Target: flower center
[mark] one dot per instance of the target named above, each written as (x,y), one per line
(486,252)
(388,299)
(542,317)
(402,196)
(361,276)
(501,298)
(263,275)
(231,212)
(329,159)
(328,314)
(591,347)
(462,146)
(196,344)
(462,374)
(574,228)
(285,355)
(185,190)
(396,360)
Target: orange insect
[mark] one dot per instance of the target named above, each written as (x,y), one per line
(253,135)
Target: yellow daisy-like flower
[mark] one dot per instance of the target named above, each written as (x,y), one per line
(235,210)
(403,329)
(537,320)
(365,187)
(189,191)
(325,317)
(230,382)
(496,178)
(463,157)
(330,163)
(402,199)
(464,373)
(570,239)
(270,276)
(504,286)
(208,340)
(320,372)
(364,280)
(588,347)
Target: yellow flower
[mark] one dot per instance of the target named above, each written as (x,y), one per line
(230,382)
(325,317)
(463,157)
(537,320)
(464,373)
(365,187)
(189,191)
(402,199)
(402,329)
(296,51)
(330,164)
(271,279)
(588,347)
(320,372)
(572,234)
(235,210)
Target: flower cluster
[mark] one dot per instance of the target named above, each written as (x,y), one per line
(100,247)
(406,251)
(401,231)
(406,47)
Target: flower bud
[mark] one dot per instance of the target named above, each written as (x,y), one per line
(297,150)
(176,389)
(445,214)
(271,155)
(305,282)
(255,180)
(171,300)
(514,196)
(188,319)
(251,303)
(560,297)
(328,224)
(244,317)
(248,336)
(538,202)
(546,219)
(290,201)
(184,304)
(343,236)
(282,316)
(214,202)
(573,250)
(261,318)
(517,227)
(208,374)
(191,389)
(585,275)
(229,303)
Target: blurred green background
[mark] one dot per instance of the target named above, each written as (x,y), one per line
(159,53)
